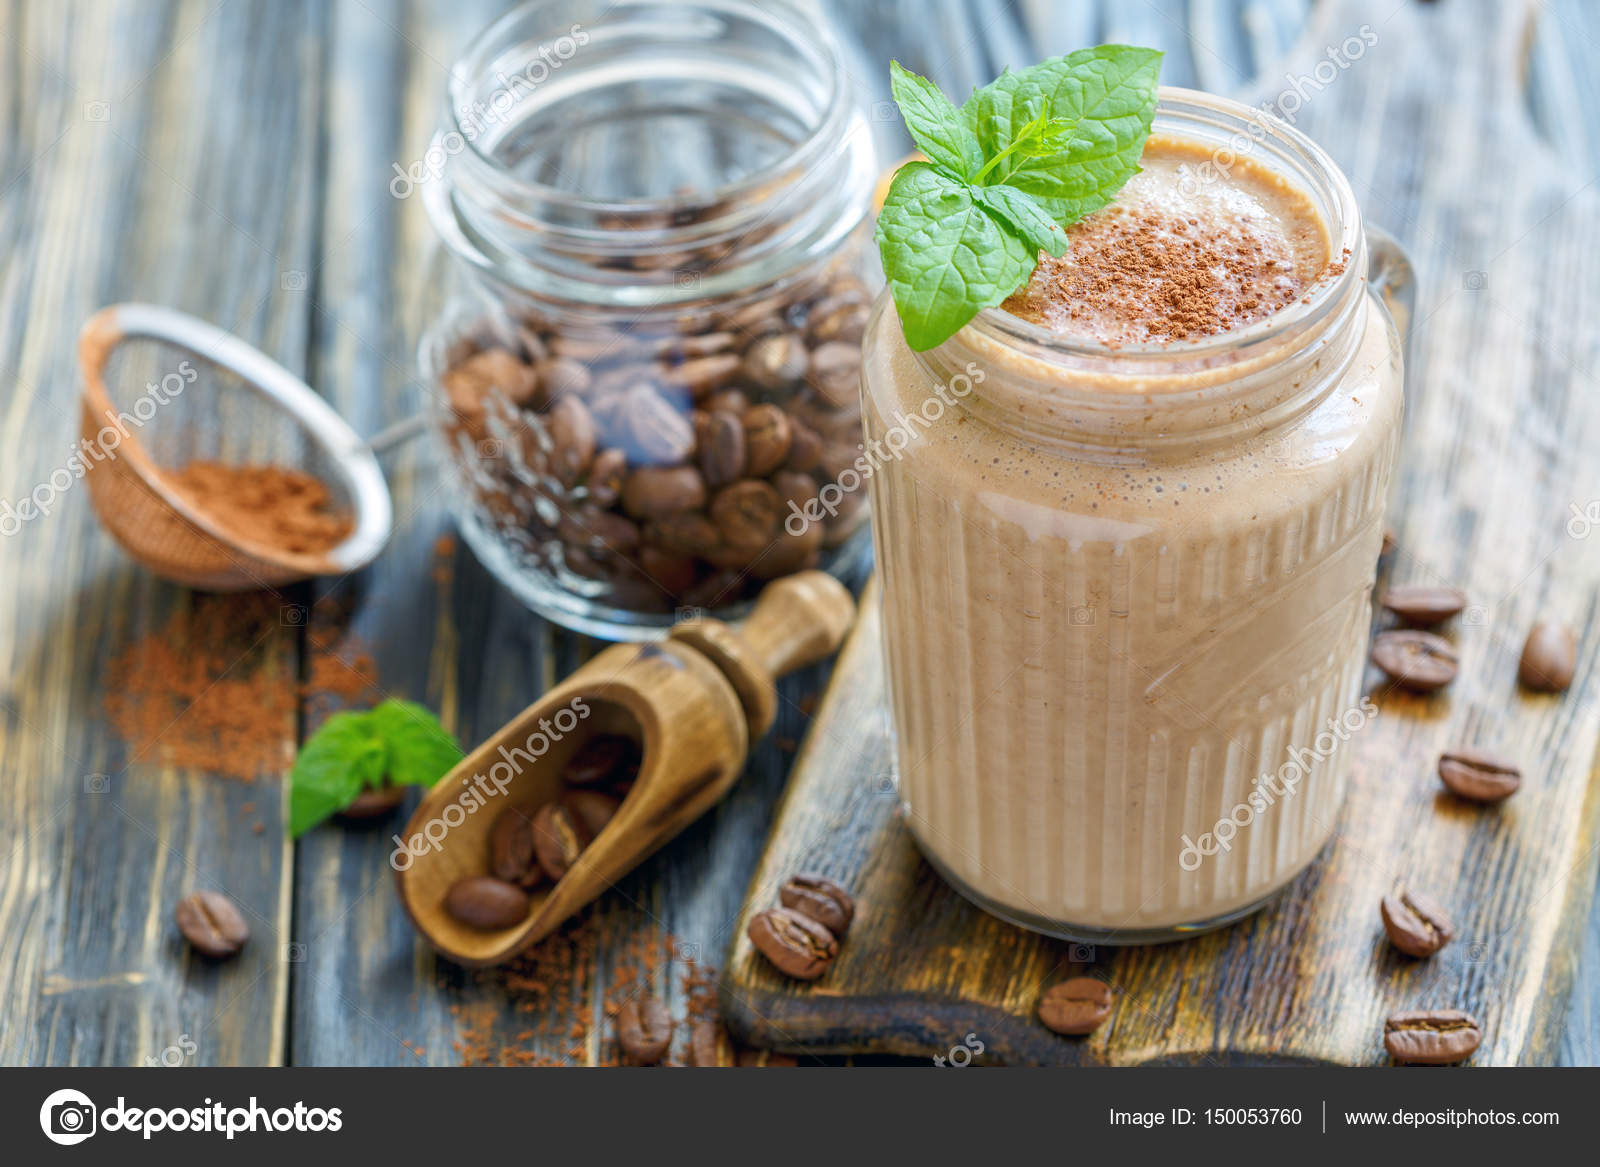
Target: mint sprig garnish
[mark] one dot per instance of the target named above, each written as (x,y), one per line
(397,742)
(1022,159)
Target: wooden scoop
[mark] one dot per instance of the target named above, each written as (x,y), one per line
(693,703)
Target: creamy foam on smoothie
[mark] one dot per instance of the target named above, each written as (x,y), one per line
(1184,251)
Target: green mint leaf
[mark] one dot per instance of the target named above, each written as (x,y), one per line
(1034,224)
(398,742)
(421,751)
(936,126)
(946,257)
(1098,105)
(340,760)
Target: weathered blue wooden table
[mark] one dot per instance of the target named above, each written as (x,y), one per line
(234,160)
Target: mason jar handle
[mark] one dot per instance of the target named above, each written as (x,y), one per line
(1392,278)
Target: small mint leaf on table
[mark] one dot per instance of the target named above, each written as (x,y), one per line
(946,256)
(398,742)
(1022,159)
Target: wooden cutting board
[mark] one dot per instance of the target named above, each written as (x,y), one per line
(1493,493)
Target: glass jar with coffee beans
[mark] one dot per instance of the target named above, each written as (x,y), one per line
(645,326)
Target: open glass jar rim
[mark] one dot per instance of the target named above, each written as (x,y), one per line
(752,88)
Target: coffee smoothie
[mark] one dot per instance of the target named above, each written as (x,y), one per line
(1126,564)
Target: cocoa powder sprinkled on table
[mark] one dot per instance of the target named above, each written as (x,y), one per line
(270,506)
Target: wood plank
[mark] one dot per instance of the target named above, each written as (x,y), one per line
(112,190)
(1501,409)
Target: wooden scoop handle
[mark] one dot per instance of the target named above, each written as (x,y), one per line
(797,621)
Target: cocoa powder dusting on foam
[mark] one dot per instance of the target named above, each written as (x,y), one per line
(1176,258)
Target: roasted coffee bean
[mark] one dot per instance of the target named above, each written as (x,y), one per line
(1478,775)
(606,473)
(794,488)
(597,531)
(772,363)
(560,377)
(651,492)
(1549,658)
(747,515)
(767,435)
(1415,660)
(649,429)
(590,811)
(1416,925)
(703,375)
(1435,1037)
(797,945)
(559,837)
(805,446)
(1420,604)
(820,898)
(1076,1006)
(688,533)
(835,374)
(644,1030)
(374,802)
(832,321)
(709,1045)
(679,347)
(511,854)
(531,346)
(673,574)
(486,903)
(572,436)
(732,401)
(497,371)
(789,553)
(598,760)
(212,924)
(722,449)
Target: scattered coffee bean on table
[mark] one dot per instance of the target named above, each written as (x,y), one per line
(644,1030)
(1421,604)
(1478,775)
(212,924)
(796,945)
(374,802)
(1415,660)
(709,1044)
(486,903)
(1549,658)
(1076,1006)
(823,900)
(1416,925)
(1436,1037)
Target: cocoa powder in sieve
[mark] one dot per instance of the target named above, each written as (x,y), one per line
(270,506)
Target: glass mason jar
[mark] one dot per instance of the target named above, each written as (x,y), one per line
(649,302)
(1127,590)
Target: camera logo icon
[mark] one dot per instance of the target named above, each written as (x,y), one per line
(67,1117)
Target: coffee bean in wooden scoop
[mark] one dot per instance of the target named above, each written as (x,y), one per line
(1415,660)
(797,945)
(1076,1006)
(1416,925)
(1549,658)
(511,852)
(1423,605)
(486,903)
(1478,775)
(212,924)
(1433,1037)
